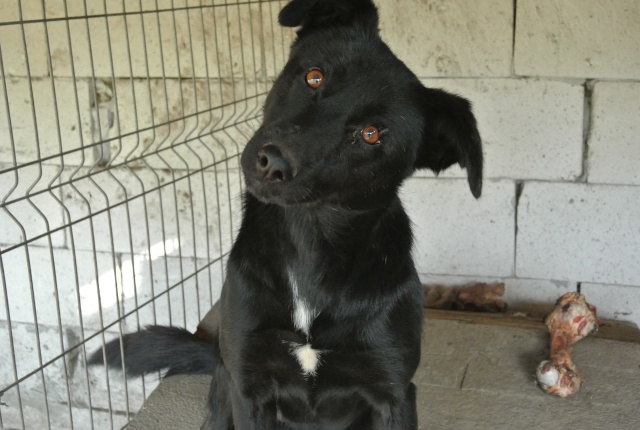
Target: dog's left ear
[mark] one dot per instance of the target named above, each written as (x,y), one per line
(450,136)
(312,14)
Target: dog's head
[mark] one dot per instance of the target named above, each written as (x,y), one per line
(346,121)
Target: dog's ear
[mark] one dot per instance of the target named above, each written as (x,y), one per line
(311,14)
(450,136)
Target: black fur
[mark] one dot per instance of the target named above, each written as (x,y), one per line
(322,218)
(159,348)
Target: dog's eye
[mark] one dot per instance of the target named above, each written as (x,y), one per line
(314,78)
(371,134)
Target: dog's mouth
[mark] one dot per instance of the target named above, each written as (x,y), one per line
(295,192)
(282,193)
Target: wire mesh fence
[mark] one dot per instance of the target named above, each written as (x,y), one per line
(121,124)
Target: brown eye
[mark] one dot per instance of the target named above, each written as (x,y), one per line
(314,78)
(371,134)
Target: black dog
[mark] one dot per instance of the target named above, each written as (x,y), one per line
(321,311)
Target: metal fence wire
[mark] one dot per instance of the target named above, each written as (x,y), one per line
(121,125)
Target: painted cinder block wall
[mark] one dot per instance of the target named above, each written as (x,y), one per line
(556,90)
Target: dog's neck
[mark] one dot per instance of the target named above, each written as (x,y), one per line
(323,240)
(329,223)
(307,227)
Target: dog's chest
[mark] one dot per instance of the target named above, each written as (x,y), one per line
(303,315)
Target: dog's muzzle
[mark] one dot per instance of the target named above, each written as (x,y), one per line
(272,166)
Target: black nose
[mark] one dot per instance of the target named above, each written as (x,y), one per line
(272,165)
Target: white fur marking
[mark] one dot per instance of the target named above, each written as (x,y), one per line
(303,315)
(308,358)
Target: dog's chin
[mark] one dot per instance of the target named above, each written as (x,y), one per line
(288,195)
(280,194)
(291,195)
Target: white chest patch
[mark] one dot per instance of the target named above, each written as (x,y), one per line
(303,314)
(308,358)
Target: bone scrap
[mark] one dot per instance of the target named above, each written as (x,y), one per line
(571,320)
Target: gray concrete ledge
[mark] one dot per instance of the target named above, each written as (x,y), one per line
(472,377)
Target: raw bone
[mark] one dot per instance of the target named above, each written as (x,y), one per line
(477,297)
(571,320)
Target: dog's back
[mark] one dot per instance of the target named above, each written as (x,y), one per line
(321,312)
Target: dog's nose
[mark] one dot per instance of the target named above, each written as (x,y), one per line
(272,165)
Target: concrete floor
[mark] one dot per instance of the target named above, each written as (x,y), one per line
(473,376)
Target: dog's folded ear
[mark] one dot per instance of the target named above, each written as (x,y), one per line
(450,136)
(317,13)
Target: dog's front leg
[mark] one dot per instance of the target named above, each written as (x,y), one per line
(249,414)
(399,416)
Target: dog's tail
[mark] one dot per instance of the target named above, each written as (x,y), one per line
(159,348)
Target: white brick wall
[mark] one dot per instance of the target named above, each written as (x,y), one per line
(82,384)
(450,38)
(137,211)
(54,116)
(198,42)
(531,129)
(55,290)
(561,143)
(178,301)
(33,212)
(623,307)
(455,234)
(579,232)
(614,142)
(578,38)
